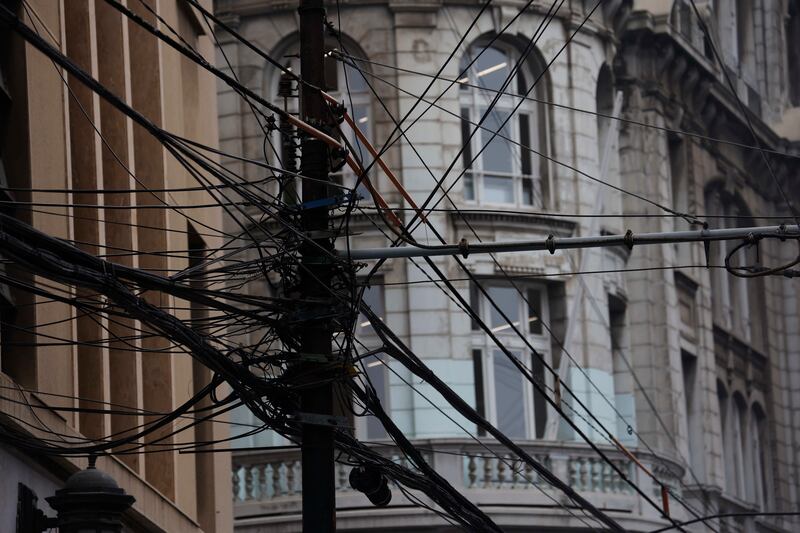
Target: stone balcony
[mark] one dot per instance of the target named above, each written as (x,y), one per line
(267,491)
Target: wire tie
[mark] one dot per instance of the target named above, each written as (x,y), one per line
(550,243)
(463,247)
(665,500)
(628,239)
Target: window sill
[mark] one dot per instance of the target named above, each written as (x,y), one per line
(512,220)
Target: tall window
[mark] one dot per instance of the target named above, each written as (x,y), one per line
(347,84)
(793,52)
(504,396)
(500,167)
(375,366)
(745,39)
(736,302)
(758,457)
(739,445)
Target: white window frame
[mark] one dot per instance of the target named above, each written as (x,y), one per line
(489,350)
(475,100)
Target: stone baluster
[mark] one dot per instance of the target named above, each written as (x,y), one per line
(290,489)
(531,477)
(487,471)
(237,483)
(276,479)
(471,469)
(597,475)
(248,482)
(501,471)
(515,468)
(344,483)
(261,481)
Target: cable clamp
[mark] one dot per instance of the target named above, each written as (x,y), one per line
(550,243)
(463,247)
(628,239)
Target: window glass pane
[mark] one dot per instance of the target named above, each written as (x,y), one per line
(498,189)
(534,298)
(377,374)
(509,397)
(360,114)
(355,80)
(373,297)
(474,303)
(507,299)
(497,155)
(469,186)
(491,69)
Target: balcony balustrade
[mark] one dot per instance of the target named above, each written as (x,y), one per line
(267,487)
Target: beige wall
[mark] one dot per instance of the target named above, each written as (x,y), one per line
(56,145)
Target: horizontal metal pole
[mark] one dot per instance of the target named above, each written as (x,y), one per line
(552,244)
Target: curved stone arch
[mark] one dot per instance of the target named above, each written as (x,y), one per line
(291,40)
(757,400)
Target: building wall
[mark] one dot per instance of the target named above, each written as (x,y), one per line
(65,152)
(662,320)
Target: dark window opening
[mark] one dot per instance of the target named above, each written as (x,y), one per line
(477,369)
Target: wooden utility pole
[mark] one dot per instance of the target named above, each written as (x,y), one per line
(319,503)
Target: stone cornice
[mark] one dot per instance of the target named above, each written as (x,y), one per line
(513,221)
(695,97)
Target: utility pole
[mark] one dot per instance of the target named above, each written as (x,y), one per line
(319,503)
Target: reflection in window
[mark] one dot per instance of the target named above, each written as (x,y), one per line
(378,375)
(502,171)
(509,396)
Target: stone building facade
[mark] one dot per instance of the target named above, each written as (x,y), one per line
(692,368)
(76,168)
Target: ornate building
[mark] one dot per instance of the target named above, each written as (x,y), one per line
(636,120)
(78,169)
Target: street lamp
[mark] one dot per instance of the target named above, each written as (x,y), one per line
(90,502)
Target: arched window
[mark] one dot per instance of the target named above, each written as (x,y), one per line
(722,400)
(745,44)
(345,82)
(758,456)
(793,52)
(738,446)
(606,100)
(736,301)
(500,159)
